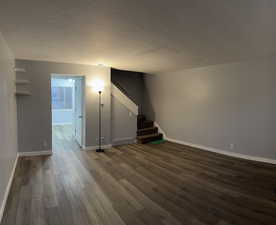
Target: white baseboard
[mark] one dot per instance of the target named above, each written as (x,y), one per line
(123,141)
(160,129)
(35,153)
(88,148)
(211,149)
(8,188)
(224,152)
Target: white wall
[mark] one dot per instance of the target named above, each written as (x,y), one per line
(8,132)
(123,123)
(219,105)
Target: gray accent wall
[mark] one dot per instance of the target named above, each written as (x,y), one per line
(230,107)
(123,123)
(34,112)
(131,84)
(8,131)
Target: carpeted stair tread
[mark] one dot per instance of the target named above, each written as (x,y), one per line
(148,128)
(147,124)
(148,136)
(147,131)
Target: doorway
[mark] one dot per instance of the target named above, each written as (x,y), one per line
(68,107)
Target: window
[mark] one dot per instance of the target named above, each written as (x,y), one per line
(62,98)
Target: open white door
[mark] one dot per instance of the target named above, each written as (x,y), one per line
(79,110)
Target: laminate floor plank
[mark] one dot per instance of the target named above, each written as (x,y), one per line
(164,184)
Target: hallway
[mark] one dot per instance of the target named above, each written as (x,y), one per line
(60,134)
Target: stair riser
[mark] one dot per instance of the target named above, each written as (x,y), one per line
(146,132)
(147,124)
(147,140)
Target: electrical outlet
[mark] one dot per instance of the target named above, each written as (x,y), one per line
(232,146)
(130,114)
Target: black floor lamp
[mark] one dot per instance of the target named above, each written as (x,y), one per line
(100,124)
(99,86)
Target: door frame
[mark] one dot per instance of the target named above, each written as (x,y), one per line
(82,77)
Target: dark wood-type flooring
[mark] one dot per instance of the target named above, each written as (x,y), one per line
(164,184)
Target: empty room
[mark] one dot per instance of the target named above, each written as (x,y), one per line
(138,112)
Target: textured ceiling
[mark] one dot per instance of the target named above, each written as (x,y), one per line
(141,35)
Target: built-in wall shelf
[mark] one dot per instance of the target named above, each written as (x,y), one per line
(22,82)
(22,70)
(23,93)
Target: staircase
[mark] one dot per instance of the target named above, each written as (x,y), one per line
(147,132)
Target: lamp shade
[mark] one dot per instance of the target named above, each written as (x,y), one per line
(97,85)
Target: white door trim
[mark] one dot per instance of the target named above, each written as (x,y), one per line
(83,77)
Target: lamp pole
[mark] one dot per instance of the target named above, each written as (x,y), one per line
(100,124)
